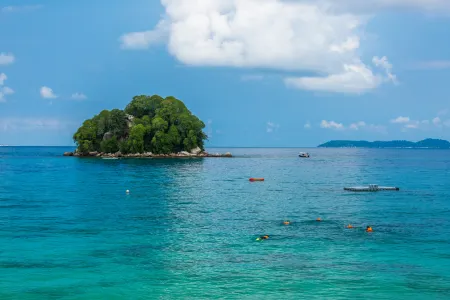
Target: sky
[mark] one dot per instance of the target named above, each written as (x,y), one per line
(259,73)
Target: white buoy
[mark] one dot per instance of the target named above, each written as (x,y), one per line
(128,191)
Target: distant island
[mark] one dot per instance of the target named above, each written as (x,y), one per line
(150,126)
(427,143)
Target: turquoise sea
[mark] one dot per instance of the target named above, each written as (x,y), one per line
(187,230)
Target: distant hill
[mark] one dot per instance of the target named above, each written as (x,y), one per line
(427,143)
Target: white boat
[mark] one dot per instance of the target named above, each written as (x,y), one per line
(371,188)
(304,154)
(110,158)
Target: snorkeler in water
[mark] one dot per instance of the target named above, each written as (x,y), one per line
(263,237)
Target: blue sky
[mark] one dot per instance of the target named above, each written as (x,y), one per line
(258,72)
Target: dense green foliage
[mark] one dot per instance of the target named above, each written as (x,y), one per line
(148,124)
(428,143)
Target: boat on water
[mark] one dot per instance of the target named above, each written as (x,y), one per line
(110,158)
(304,154)
(371,188)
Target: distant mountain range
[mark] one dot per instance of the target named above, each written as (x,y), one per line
(427,143)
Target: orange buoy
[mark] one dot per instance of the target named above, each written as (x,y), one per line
(318,219)
(349,226)
(256,179)
(369,229)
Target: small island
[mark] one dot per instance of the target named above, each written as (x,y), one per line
(150,126)
(424,144)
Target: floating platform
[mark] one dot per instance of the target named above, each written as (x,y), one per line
(371,188)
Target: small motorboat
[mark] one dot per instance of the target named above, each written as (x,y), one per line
(304,154)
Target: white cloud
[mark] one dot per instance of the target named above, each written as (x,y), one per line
(47,93)
(4,90)
(358,125)
(412,126)
(271,127)
(401,120)
(144,39)
(11,9)
(307,36)
(7,90)
(78,96)
(6,58)
(436,121)
(3,77)
(386,66)
(307,125)
(331,125)
(356,78)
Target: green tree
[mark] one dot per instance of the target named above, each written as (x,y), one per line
(143,105)
(110,145)
(136,139)
(118,123)
(161,143)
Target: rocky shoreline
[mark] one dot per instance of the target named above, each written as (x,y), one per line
(183,154)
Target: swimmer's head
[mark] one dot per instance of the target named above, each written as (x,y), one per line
(318,219)
(369,229)
(286,222)
(349,226)
(265,237)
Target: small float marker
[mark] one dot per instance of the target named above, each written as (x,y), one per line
(128,191)
(256,179)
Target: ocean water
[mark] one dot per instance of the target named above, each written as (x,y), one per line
(187,229)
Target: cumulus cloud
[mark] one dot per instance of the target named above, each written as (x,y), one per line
(437,121)
(384,64)
(331,125)
(414,125)
(401,120)
(271,127)
(3,77)
(358,125)
(78,96)
(6,58)
(4,90)
(47,93)
(354,79)
(144,39)
(307,36)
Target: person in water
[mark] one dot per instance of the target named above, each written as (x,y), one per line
(263,237)
(287,222)
(369,229)
(319,220)
(349,226)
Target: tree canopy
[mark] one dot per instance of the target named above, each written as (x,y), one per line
(148,124)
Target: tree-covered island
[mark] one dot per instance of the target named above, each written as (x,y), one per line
(150,126)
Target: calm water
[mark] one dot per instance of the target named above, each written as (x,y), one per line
(187,230)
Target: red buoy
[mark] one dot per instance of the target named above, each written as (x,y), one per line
(256,179)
